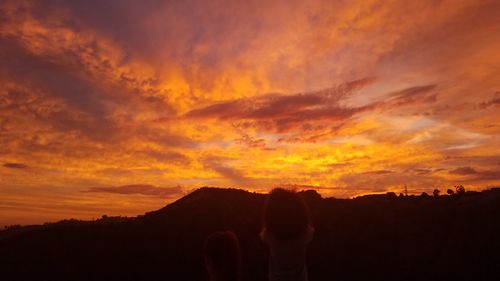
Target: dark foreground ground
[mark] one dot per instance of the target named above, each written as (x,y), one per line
(378,237)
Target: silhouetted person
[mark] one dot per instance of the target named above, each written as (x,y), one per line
(222,256)
(286,230)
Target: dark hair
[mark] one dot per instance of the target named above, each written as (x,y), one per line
(286,215)
(222,256)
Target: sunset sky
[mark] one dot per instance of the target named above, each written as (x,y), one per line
(119,107)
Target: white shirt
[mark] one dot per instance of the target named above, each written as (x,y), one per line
(287,261)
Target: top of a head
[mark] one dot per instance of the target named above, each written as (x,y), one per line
(286,215)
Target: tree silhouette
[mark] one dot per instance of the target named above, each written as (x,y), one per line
(436,192)
(460,189)
(450,191)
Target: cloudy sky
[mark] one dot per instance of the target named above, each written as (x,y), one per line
(119,107)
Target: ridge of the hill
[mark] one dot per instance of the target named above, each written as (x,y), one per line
(373,237)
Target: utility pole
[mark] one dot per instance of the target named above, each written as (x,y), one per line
(406,190)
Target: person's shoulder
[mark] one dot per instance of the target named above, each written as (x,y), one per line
(264,235)
(310,229)
(309,233)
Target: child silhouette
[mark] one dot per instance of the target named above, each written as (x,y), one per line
(286,230)
(222,256)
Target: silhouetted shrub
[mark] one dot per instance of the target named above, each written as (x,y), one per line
(460,189)
(435,193)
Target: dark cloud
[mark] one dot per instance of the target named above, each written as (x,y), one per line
(163,137)
(312,133)
(252,142)
(495,101)
(228,172)
(169,157)
(15,165)
(59,117)
(183,26)
(423,171)
(77,104)
(475,175)
(378,172)
(414,91)
(117,20)
(464,171)
(326,188)
(61,79)
(219,166)
(491,160)
(409,96)
(224,110)
(283,112)
(143,189)
(487,175)
(72,76)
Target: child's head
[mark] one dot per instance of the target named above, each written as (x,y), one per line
(286,215)
(222,256)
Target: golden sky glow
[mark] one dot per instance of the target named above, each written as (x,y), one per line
(118,107)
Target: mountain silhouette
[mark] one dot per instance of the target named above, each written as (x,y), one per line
(374,237)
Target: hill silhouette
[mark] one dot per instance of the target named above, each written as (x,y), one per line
(375,237)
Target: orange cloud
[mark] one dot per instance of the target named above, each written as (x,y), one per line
(105,94)
(144,189)
(283,112)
